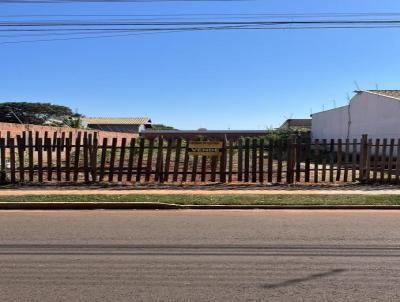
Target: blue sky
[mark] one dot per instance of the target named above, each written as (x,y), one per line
(217,80)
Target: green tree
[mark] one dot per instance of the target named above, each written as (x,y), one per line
(32,113)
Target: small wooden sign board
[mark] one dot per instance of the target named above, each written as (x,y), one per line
(198,148)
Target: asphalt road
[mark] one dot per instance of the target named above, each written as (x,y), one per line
(199,255)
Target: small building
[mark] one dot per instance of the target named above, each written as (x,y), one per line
(372,112)
(117,124)
(296,124)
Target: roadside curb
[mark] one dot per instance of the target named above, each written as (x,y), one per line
(165,206)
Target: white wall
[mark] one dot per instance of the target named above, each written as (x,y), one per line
(375,115)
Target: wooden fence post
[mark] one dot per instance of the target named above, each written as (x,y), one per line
(121,159)
(261,162)
(11,144)
(363,158)
(167,160)
(289,162)
(222,175)
(39,147)
(93,157)
(2,161)
(131,159)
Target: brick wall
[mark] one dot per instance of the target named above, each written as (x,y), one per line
(17,129)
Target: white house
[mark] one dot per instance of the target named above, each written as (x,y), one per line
(372,112)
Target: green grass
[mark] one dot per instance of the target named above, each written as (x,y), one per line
(218,199)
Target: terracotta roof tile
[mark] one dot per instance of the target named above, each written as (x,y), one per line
(390,93)
(117,120)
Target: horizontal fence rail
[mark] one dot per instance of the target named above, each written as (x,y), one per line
(83,158)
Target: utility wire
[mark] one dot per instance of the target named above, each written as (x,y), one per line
(87,28)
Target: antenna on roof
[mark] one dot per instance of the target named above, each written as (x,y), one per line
(323,107)
(376,86)
(358,87)
(348,98)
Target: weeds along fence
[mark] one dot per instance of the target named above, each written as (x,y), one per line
(85,159)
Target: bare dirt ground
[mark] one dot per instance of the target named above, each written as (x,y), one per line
(215,189)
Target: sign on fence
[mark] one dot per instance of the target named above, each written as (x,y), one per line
(197,148)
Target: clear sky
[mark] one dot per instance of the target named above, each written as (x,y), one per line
(245,79)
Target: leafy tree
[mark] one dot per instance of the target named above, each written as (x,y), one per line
(74,122)
(161,127)
(32,113)
(284,134)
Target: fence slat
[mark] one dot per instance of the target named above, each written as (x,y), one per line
(279,168)
(324,159)
(67,159)
(131,159)
(140,160)
(270,160)
(3,175)
(46,135)
(383,160)
(86,152)
(339,160)
(390,161)
(167,160)
(30,156)
(316,160)
(93,158)
(39,149)
(247,160)
(354,160)
(185,162)
(240,160)
(230,167)
(376,159)
(49,151)
(346,160)
(203,168)
(194,168)
(58,159)
(298,148)
(121,159)
(398,162)
(11,144)
(149,160)
(261,162)
(103,159)
(21,160)
(222,163)
(62,141)
(363,158)
(368,160)
(213,168)
(177,159)
(76,156)
(54,141)
(159,161)
(254,161)
(289,162)
(307,150)
(112,159)
(331,159)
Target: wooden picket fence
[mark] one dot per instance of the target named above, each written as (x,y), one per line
(61,158)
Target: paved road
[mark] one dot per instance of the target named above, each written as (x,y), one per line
(199,255)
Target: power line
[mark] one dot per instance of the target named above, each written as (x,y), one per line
(87,28)
(104,1)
